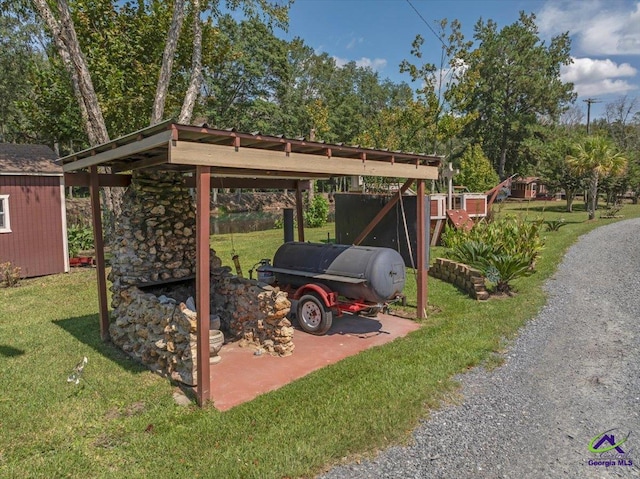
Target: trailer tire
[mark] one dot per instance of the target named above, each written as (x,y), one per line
(313,317)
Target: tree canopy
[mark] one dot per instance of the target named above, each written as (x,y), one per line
(223,63)
(511,81)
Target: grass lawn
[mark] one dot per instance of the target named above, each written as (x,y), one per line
(121,421)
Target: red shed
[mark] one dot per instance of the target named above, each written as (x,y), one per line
(33,225)
(529,188)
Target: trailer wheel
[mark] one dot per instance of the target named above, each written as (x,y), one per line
(313,317)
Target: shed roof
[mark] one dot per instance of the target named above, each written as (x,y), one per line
(170,145)
(527,179)
(28,160)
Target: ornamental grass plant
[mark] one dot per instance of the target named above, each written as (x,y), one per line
(504,249)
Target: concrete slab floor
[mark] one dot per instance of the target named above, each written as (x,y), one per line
(241,376)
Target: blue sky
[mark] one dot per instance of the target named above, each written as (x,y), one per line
(378,33)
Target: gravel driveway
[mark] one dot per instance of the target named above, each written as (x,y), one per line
(572,374)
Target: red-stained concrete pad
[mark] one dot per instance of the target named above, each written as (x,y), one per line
(241,375)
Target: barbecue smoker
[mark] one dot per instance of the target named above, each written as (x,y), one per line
(327,280)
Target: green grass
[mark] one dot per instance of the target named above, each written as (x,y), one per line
(121,420)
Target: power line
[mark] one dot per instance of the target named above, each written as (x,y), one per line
(426,23)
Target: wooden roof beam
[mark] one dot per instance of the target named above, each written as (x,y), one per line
(159,139)
(217,156)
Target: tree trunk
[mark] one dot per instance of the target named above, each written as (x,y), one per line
(570,196)
(196,68)
(503,163)
(167,62)
(57,34)
(311,192)
(593,192)
(98,128)
(66,40)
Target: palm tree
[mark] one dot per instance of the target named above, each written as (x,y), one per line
(596,157)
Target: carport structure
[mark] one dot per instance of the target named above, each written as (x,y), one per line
(214,158)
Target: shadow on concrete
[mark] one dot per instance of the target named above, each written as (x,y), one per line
(86,329)
(356,325)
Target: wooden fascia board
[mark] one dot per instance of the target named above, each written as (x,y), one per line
(269,174)
(104,179)
(218,156)
(303,145)
(159,139)
(278,184)
(28,173)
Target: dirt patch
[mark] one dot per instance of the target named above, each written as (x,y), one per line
(131,410)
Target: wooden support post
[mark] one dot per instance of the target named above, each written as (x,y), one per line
(381,214)
(98,241)
(422,255)
(436,232)
(299,215)
(203,284)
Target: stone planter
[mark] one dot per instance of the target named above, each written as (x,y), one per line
(216,340)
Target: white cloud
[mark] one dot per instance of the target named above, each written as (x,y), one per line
(582,68)
(377,64)
(598,77)
(600,27)
(354,42)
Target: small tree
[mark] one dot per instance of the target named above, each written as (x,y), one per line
(596,157)
(551,152)
(317,212)
(476,172)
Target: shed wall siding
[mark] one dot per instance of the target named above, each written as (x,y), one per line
(35,243)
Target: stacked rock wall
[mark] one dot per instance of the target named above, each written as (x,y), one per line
(469,280)
(159,334)
(154,236)
(155,243)
(253,312)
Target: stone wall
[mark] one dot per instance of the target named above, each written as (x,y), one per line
(155,243)
(468,279)
(252,312)
(158,332)
(154,236)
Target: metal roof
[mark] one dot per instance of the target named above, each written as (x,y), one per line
(169,145)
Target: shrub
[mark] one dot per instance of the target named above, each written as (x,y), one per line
(504,268)
(476,172)
(473,253)
(9,275)
(278,223)
(317,212)
(555,225)
(80,238)
(503,250)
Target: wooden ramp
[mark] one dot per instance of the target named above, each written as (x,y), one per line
(460,219)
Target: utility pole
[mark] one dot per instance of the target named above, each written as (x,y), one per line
(589,101)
